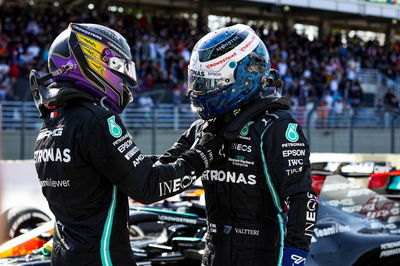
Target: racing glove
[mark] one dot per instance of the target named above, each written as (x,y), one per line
(294,257)
(209,148)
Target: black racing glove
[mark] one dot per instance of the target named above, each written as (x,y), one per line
(209,149)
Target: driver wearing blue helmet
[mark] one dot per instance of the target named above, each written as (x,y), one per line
(260,204)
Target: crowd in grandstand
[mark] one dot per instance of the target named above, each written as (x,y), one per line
(316,73)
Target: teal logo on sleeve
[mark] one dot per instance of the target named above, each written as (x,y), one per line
(245,129)
(115,130)
(291,133)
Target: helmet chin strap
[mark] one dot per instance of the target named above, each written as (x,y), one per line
(55,73)
(40,92)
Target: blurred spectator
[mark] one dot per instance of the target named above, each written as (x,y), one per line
(328,99)
(338,112)
(146,103)
(390,100)
(322,114)
(355,95)
(319,69)
(177,94)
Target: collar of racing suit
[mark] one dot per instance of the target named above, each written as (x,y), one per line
(60,93)
(241,116)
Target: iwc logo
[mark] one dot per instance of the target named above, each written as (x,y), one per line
(115,130)
(291,133)
(245,129)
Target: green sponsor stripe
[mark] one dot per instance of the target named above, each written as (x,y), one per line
(275,198)
(105,238)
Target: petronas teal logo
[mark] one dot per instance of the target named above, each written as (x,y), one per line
(115,130)
(245,129)
(291,133)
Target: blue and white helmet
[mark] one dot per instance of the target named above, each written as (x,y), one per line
(228,67)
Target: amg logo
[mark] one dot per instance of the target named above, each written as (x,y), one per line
(47,133)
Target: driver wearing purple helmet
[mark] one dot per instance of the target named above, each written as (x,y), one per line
(86,161)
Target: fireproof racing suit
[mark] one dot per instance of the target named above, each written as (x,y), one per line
(87,164)
(260,199)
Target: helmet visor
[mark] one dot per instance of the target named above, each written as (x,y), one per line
(201,83)
(125,67)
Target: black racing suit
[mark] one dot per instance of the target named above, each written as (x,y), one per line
(88,165)
(261,198)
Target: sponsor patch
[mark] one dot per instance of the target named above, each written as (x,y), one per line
(118,141)
(54,183)
(311,214)
(390,249)
(138,160)
(295,162)
(241,162)
(291,133)
(245,129)
(52,155)
(223,60)
(297,153)
(229,42)
(114,128)
(131,152)
(330,231)
(241,147)
(228,177)
(50,132)
(122,148)
(172,186)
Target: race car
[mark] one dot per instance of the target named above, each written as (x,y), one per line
(381,177)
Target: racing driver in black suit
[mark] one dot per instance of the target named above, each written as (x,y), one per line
(87,162)
(260,204)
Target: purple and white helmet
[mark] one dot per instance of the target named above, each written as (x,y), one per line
(99,63)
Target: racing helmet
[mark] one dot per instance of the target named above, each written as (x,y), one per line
(97,60)
(228,67)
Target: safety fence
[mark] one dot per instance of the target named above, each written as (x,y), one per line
(24,115)
(328,130)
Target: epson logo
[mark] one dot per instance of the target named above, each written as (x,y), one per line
(197,73)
